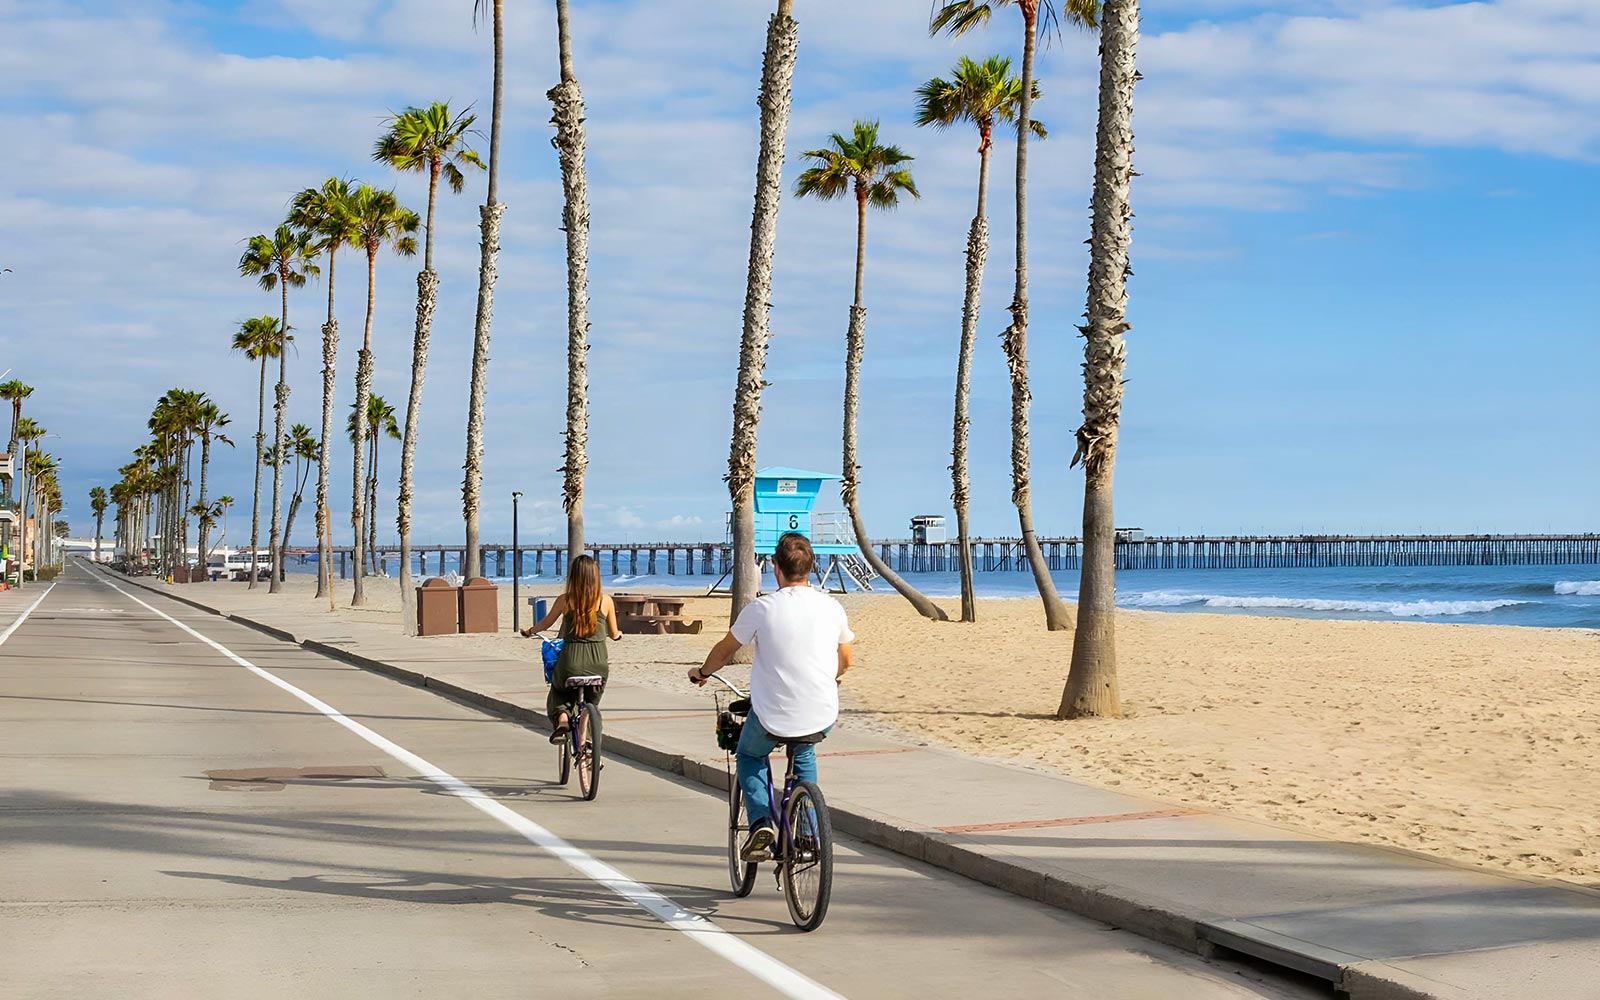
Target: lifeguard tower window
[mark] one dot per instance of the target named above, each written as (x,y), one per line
(928,529)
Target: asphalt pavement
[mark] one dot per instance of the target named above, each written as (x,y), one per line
(192,808)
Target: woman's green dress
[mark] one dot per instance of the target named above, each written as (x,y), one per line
(579,658)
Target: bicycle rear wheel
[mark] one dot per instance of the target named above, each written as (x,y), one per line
(589,756)
(808,861)
(741,873)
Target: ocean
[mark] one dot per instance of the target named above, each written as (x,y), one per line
(1549,596)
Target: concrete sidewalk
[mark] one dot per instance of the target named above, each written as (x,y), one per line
(1373,922)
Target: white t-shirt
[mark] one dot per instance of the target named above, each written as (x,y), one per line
(797,632)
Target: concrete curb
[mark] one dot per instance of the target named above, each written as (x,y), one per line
(1158,919)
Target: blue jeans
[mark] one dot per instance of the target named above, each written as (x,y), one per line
(755,746)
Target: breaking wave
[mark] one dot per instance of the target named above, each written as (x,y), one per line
(1398,609)
(1582,588)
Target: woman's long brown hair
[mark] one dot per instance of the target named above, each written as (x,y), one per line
(583,596)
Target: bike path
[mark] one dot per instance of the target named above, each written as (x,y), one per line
(178,821)
(1374,922)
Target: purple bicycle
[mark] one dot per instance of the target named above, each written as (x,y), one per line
(803,851)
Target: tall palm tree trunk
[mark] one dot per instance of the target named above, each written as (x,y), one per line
(961,483)
(1015,342)
(372,509)
(777,87)
(427,300)
(261,443)
(280,411)
(99,524)
(358,597)
(330,357)
(472,482)
(187,448)
(1091,688)
(567,100)
(299,480)
(205,519)
(855,347)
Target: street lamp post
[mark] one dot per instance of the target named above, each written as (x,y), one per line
(516,565)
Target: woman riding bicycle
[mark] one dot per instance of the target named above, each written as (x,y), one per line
(588,617)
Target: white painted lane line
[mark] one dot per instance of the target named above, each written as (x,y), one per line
(24,616)
(700,930)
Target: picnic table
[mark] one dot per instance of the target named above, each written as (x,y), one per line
(640,614)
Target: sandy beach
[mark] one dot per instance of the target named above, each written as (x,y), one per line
(1474,743)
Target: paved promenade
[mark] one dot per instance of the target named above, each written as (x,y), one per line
(1375,923)
(191,808)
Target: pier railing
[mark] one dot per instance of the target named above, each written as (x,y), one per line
(999,555)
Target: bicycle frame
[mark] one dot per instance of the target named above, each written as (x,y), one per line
(779,810)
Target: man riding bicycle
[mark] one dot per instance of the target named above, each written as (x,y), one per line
(802,649)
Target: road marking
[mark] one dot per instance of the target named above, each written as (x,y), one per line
(697,928)
(1040,824)
(24,616)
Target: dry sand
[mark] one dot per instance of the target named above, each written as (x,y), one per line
(1470,742)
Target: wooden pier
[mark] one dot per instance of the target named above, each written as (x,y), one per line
(1001,555)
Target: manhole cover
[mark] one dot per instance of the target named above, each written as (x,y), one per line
(274,779)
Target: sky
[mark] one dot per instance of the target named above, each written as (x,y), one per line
(1364,294)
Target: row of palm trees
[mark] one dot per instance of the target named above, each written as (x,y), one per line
(156,494)
(983,93)
(859,165)
(35,490)
(340,213)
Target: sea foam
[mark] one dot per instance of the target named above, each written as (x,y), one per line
(1582,588)
(1398,609)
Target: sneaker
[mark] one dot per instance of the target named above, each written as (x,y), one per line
(758,846)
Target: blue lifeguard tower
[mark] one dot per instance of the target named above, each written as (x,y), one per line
(787,500)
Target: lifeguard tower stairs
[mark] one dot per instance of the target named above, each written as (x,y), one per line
(786,500)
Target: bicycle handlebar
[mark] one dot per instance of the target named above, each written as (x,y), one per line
(730,687)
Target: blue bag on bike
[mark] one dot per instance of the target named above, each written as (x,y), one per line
(550,651)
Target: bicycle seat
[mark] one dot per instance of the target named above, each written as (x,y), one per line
(794,740)
(740,706)
(587,681)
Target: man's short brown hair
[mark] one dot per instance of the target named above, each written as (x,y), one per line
(793,556)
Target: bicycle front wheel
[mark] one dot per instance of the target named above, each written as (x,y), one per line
(589,756)
(808,858)
(741,873)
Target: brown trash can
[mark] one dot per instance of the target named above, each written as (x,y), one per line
(198,574)
(437,608)
(480,606)
(180,574)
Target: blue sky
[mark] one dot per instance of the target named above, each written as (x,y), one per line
(1364,294)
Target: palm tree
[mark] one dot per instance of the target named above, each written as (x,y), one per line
(957,17)
(567,100)
(98,502)
(210,422)
(15,392)
(379,421)
(40,466)
(982,94)
(423,140)
(1091,687)
(306,452)
(472,480)
(777,84)
(380,221)
(260,339)
(328,212)
(875,175)
(284,260)
(220,509)
(27,431)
